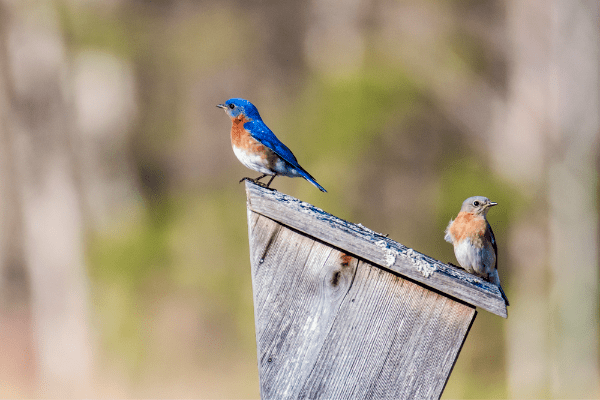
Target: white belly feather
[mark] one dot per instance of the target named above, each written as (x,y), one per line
(253,161)
(478,261)
(260,164)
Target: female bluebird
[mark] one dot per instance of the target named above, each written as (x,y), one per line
(473,240)
(257,147)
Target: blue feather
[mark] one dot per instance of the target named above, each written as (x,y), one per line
(261,132)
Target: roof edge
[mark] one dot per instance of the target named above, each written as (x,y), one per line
(375,248)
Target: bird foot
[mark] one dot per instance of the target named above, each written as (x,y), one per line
(455,266)
(257,182)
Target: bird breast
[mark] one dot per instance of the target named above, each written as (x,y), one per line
(468,226)
(249,151)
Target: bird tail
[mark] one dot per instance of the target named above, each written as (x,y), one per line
(503,295)
(495,279)
(312,180)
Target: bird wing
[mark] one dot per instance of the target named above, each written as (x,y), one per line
(489,235)
(261,132)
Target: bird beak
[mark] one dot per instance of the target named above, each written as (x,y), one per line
(223,106)
(492,204)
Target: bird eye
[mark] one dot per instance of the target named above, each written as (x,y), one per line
(476,203)
(231,106)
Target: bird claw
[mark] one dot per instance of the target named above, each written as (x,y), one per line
(256,182)
(455,266)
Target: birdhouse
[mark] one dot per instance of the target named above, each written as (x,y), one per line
(343,312)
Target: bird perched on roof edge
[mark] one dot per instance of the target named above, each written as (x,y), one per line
(474,242)
(257,147)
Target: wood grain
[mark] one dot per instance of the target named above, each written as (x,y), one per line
(331,326)
(374,247)
(298,284)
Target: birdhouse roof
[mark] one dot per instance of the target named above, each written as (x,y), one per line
(374,247)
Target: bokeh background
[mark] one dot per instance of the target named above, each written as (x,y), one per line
(124,266)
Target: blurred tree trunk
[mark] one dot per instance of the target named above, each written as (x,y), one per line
(518,155)
(573,202)
(335,42)
(283,31)
(550,137)
(42,243)
(16,345)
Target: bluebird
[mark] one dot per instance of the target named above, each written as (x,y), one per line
(474,242)
(258,148)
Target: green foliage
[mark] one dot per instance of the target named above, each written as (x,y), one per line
(85,28)
(345,115)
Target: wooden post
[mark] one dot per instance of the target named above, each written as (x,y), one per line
(343,312)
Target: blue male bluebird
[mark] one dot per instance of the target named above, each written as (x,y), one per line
(474,242)
(258,148)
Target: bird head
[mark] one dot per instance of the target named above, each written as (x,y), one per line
(477,205)
(236,108)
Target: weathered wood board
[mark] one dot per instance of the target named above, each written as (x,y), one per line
(330,325)
(376,248)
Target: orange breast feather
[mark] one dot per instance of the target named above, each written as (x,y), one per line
(467,225)
(241,139)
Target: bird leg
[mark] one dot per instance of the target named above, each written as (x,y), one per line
(270,180)
(259,178)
